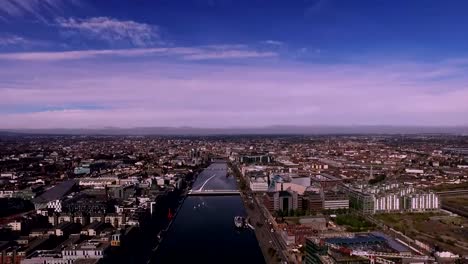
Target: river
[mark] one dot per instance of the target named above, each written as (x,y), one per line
(203,230)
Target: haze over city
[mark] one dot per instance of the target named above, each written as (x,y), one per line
(222,63)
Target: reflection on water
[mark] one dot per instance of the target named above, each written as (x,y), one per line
(204,232)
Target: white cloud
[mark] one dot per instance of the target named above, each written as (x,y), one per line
(74,55)
(273,42)
(185,53)
(113,31)
(229,54)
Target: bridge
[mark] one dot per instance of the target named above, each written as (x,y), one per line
(215,180)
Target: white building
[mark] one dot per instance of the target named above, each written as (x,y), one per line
(387,203)
(420,202)
(259,184)
(398,197)
(413,202)
(6,194)
(93,249)
(100,182)
(15,226)
(47,257)
(414,171)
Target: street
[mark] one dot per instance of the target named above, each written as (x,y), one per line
(268,240)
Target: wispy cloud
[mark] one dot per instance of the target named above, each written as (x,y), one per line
(37,9)
(75,55)
(8,40)
(21,43)
(273,42)
(113,31)
(228,54)
(184,53)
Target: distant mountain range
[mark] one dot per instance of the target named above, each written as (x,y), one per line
(268,130)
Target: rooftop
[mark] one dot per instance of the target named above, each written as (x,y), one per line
(56,192)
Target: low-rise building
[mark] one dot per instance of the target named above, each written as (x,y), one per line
(91,249)
(259,184)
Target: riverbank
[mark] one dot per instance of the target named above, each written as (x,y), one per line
(268,240)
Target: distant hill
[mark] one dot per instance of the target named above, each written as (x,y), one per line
(9,133)
(268,130)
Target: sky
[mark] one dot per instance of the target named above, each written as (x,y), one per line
(232,63)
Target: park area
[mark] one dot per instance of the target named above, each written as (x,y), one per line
(354,223)
(438,229)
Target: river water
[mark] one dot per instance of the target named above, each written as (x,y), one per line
(203,230)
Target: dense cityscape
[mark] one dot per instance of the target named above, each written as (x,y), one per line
(301,199)
(233,132)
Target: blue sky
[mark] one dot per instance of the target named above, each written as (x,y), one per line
(220,63)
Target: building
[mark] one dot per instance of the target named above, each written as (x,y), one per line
(66,228)
(387,198)
(421,202)
(315,251)
(115,220)
(387,203)
(255,158)
(121,192)
(282,201)
(312,202)
(85,204)
(91,249)
(15,225)
(52,198)
(334,200)
(93,229)
(361,201)
(327,181)
(259,184)
(83,169)
(269,201)
(6,194)
(46,257)
(414,171)
(100,182)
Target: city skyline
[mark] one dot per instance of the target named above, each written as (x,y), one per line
(221,64)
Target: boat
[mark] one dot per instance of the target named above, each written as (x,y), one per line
(239,221)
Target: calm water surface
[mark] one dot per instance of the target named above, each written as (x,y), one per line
(204,232)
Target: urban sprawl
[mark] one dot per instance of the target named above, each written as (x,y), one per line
(309,199)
